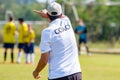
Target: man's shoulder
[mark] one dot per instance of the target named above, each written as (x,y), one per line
(66,19)
(24,24)
(7,24)
(12,24)
(46,30)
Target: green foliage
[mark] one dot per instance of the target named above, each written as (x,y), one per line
(102,21)
(20,8)
(99,18)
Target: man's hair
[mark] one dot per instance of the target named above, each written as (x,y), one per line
(10,18)
(53,17)
(21,19)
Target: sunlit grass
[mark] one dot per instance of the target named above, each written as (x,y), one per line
(100,67)
(95,67)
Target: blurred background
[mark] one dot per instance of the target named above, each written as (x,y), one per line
(101,17)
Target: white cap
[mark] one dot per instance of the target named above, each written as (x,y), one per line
(54,9)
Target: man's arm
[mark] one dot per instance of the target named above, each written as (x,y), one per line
(42,13)
(41,64)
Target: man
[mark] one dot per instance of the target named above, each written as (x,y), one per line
(29,46)
(22,37)
(9,38)
(81,31)
(58,47)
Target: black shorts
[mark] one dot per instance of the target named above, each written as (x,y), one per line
(8,45)
(76,76)
(21,45)
(29,49)
(83,40)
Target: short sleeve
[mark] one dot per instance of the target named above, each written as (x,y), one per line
(45,41)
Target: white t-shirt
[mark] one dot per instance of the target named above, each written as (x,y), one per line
(60,40)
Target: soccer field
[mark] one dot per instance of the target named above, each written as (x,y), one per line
(95,67)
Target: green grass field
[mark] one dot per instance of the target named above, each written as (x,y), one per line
(95,67)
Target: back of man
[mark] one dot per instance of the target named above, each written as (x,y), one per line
(23,30)
(64,54)
(22,38)
(9,33)
(9,38)
(58,46)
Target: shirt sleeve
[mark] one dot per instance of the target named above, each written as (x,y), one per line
(45,41)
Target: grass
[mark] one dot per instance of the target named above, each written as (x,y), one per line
(96,67)
(100,67)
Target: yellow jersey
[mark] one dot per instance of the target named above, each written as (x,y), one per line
(23,31)
(31,36)
(9,33)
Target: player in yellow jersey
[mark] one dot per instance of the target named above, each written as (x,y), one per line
(9,38)
(22,39)
(29,46)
